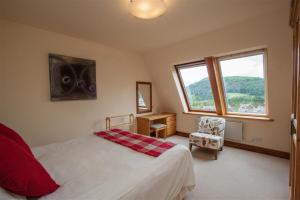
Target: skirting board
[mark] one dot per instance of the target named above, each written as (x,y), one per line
(248,147)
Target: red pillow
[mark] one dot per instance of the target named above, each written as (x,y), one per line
(13,135)
(21,173)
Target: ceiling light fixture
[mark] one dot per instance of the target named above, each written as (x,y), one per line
(147,9)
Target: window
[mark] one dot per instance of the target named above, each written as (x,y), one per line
(244,83)
(227,85)
(195,83)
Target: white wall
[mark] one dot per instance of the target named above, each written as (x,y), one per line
(269,31)
(26,104)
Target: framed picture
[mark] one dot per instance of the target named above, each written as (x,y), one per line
(72,78)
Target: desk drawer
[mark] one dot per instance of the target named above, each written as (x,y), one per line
(171,119)
(171,124)
(171,131)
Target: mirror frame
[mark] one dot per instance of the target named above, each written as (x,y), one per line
(137,97)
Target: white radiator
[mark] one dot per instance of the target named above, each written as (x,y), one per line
(234,131)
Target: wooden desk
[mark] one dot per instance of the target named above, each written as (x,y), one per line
(144,122)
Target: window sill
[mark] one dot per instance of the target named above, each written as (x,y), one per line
(259,118)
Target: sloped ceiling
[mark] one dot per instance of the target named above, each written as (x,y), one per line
(108,21)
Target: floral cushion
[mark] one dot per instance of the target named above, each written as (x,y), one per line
(212,125)
(206,140)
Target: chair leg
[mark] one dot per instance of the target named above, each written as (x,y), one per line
(156,133)
(221,149)
(191,146)
(216,154)
(165,136)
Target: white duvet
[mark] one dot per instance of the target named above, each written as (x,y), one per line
(92,168)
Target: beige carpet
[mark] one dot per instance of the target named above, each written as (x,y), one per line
(237,175)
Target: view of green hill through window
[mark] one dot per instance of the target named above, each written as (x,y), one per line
(197,88)
(241,92)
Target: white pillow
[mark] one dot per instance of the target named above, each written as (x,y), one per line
(4,195)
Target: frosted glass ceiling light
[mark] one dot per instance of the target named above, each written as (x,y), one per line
(147,9)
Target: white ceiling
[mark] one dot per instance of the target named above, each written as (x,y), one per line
(108,21)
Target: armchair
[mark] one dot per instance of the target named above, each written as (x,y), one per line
(210,134)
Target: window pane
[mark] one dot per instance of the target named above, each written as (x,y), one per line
(244,84)
(197,87)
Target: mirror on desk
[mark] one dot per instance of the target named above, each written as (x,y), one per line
(143,97)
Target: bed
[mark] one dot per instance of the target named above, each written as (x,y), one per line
(93,168)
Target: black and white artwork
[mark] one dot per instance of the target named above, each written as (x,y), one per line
(72,78)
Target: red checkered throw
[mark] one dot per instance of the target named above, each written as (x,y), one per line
(147,145)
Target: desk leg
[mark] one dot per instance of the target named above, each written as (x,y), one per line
(148,125)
